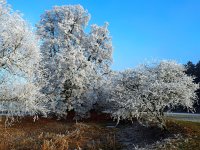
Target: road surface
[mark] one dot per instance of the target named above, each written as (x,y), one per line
(184,116)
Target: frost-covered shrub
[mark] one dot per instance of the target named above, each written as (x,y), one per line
(21,99)
(146,91)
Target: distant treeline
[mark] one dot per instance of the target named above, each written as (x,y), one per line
(193,70)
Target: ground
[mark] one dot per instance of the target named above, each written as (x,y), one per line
(51,134)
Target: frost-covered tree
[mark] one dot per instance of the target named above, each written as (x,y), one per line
(145,92)
(98,48)
(19,62)
(73,60)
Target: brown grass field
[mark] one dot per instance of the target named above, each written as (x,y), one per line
(190,135)
(51,134)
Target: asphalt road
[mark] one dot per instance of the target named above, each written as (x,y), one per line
(184,116)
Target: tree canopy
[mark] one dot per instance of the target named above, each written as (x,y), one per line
(62,68)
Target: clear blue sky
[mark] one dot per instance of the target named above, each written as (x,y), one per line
(141,29)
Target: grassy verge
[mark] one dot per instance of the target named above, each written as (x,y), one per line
(189,135)
(50,134)
(46,134)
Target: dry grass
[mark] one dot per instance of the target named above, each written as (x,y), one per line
(51,134)
(188,135)
(46,134)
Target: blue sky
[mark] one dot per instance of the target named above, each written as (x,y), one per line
(141,29)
